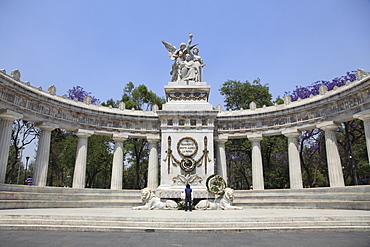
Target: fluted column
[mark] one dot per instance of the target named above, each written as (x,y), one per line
(79,174)
(332,154)
(366,118)
(117,167)
(295,173)
(42,156)
(6,121)
(153,163)
(257,167)
(221,158)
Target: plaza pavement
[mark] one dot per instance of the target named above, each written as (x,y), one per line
(283,239)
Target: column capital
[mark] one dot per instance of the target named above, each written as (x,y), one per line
(120,137)
(11,115)
(46,125)
(255,137)
(153,138)
(328,125)
(293,132)
(84,133)
(364,115)
(221,139)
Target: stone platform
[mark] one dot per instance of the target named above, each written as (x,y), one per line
(66,209)
(127,220)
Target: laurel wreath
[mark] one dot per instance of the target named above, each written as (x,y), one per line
(187,164)
(216,184)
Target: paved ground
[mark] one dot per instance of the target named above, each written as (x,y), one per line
(91,239)
(209,214)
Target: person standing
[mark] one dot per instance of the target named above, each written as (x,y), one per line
(188,198)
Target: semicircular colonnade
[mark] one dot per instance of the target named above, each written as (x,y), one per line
(20,100)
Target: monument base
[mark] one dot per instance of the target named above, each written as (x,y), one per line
(174,192)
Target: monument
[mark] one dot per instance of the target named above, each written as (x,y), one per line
(187,125)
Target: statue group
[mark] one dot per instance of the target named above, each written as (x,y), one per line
(187,65)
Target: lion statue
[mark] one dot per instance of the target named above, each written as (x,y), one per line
(151,202)
(227,200)
(206,205)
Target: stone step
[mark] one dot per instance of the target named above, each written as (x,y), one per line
(65,197)
(326,196)
(23,196)
(14,204)
(352,205)
(62,190)
(305,191)
(120,224)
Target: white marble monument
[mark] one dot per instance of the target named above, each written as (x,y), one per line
(187,126)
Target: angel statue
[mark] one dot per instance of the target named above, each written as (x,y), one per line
(187,64)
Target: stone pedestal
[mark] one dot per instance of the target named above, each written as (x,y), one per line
(187,129)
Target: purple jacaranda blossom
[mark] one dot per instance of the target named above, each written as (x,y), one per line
(305,92)
(79,93)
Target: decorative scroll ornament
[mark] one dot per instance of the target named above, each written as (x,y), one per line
(187,147)
(192,179)
(215,184)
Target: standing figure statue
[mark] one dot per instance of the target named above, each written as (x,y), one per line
(187,65)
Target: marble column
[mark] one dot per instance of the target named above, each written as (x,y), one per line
(42,156)
(257,167)
(153,163)
(79,175)
(117,167)
(332,154)
(295,173)
(6,121)
(221,158)
(366,118)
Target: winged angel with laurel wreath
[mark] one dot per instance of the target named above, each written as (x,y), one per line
(187,65)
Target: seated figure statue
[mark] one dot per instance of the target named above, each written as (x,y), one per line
(151,202)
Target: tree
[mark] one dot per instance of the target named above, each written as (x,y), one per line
(63,148)
(139,98)
(239,95)
(23,133)
(80,93)
(305,92)
(350,140)
(63,153)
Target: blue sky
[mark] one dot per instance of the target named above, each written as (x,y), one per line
(102,45)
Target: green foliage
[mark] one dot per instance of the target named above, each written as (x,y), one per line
(240,94)
(137,158)
(111,102)
(140,98)
(275,162)
(62,158)
(23,133)
(99,162)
